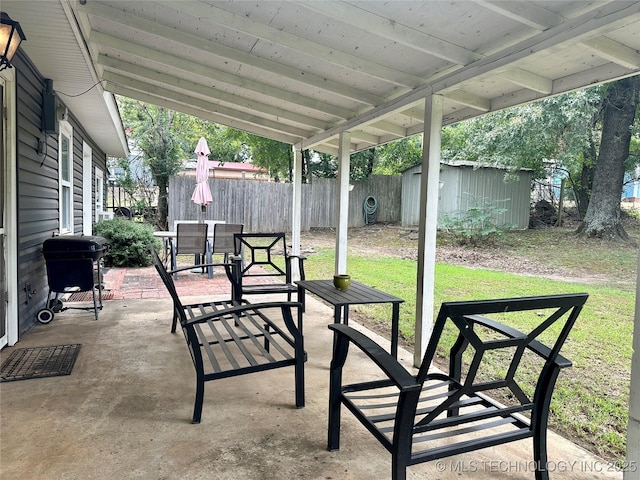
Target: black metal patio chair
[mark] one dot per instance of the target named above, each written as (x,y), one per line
(227,338)
(261,258)
(432,415)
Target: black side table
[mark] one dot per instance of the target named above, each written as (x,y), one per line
(357,293)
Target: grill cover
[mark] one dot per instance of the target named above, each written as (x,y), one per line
(74,246)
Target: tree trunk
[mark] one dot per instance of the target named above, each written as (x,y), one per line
(582,189)
(370,159)
(163,205)
(290,162)
(306,160)
(602,219)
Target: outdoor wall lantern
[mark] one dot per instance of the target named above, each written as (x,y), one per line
(10,37)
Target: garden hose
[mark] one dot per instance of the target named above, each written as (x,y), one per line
(370,208)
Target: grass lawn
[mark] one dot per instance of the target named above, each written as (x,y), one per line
(590,403)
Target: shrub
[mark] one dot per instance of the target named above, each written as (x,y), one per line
(130,242)
(477,225)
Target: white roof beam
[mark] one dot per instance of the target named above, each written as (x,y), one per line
(363,146)
(393,31)
(364,137)
(572,31)
(530,80)
(469,100)
(128,69)
(415,113)
(202,43)
(613,51)
(232,122)
(392,128)
(216,75)
(308,47)
(526,13)
(183,99)
(325,148)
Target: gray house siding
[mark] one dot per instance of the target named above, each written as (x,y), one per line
(37,192)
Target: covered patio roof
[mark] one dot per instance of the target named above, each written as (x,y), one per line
(303,72)
(334,76)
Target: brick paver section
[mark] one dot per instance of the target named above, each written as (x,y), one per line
(125,283)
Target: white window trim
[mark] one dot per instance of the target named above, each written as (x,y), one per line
(87,189)
(67,130)
(99,193)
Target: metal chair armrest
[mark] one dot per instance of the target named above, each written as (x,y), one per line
(387,363)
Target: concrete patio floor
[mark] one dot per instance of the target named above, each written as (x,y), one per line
(125,411)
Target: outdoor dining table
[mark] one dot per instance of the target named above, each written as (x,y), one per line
(357,294)
(167,236)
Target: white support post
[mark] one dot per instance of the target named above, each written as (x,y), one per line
(296,220)
(429,186)
(344,159)
(632,470)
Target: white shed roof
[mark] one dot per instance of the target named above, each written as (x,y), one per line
(303,72)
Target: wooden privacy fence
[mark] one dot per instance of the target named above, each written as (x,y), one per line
(267,206)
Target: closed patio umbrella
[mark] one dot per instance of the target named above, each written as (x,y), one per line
(202,193)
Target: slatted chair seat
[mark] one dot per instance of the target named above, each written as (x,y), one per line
(227,338)
(433,414)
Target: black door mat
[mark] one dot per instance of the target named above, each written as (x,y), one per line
(39,362)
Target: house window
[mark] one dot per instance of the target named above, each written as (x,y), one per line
(99,205)
(65,179)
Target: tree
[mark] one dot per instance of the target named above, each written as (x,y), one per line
(361,164)
(163,152)
(163,139)
(566,129)
(527,136)
(154,132)
(274,156)
(602,219)
(323,165)
(395,157)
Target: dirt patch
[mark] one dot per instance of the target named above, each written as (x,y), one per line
(400,242)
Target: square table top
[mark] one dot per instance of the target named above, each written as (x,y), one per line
(357,293)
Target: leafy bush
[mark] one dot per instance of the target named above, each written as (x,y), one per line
(477,225)
(130,242)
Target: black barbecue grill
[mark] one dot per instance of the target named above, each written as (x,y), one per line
(73,265)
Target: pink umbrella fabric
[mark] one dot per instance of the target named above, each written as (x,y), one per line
(202,193)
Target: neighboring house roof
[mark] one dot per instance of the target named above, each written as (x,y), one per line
(362,68)
(248,168)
